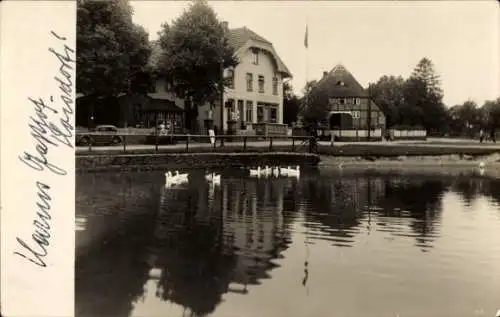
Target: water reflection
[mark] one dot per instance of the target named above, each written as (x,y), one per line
(337,207)
(184,250)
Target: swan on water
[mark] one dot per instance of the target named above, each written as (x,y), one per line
(182,177)
(284,171)
(294,171)
(171,179)
(276,171)
(267,171)
(213,178)
(255,172)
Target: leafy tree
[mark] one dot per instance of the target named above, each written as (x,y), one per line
(110,47)
(491,114)
(291,104)
(388,94)
(424,98)
(465,118)
(194,46)
(314,103)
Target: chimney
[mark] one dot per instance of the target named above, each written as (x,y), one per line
(225,24)
(325,74)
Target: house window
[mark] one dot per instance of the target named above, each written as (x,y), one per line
(275,85)
(356,114)
(261,84)
(249,82)
(249,114)
(273,115)
(230,78)
(358,101)
(255,57)
(229,110)
(342,101)
(260,114)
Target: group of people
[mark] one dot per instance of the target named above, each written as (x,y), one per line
(482,136)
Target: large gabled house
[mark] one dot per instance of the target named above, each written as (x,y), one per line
(254,101)
(351,112)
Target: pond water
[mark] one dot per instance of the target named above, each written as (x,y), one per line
(327,244)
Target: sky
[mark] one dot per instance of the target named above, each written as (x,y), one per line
(370,38)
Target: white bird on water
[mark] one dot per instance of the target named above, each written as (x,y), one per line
(267,170)
(276,171)
(176,179)
(256,172)
(182,177)
(213,178)
(170,179)
(498,313)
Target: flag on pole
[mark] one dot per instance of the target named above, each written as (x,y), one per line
(306,38)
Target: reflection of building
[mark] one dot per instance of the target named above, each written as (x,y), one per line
(338,205)
(392,205)
(257,224)
(351,111)
(210,242)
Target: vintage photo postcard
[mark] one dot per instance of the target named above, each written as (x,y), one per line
(250,158)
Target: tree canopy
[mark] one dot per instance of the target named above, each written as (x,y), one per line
(111,49)
(388,94)
(314,103)
(468,118)
(424,97)
(194,46)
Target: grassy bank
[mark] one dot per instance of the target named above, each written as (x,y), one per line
(401,149)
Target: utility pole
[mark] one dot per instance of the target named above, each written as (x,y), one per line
(221,84)
(369,121)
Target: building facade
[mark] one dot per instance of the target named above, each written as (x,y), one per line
(351,112)
(253,104)
(254,100)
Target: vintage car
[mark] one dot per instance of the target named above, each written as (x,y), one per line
(100,135)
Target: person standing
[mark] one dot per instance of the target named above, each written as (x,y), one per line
(492,135)
(481,136)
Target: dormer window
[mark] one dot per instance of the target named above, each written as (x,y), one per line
(341,83)
(255,57)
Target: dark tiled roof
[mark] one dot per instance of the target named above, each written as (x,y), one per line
(161,105)
(339,82)
(240,36)
(237,38)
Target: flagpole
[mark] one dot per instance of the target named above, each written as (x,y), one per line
(306,43)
